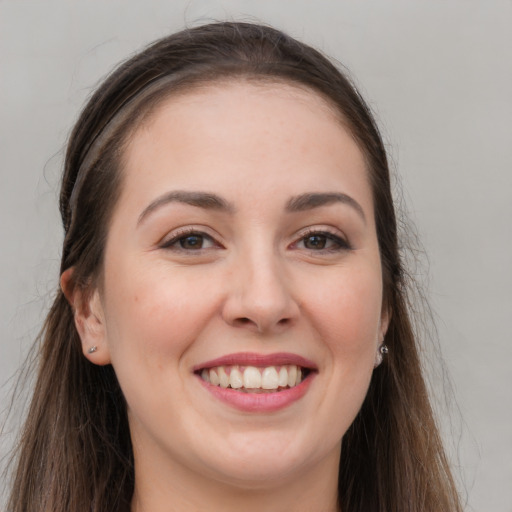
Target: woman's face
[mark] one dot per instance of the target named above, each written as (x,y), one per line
(242,250)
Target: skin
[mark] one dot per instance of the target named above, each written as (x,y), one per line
(258,284)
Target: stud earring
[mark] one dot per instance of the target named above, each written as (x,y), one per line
(381,352)
(92,350)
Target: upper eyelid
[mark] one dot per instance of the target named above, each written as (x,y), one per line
(186,229)
(320,229)
(299,235)
(325,230)
(333,233)
(178,233)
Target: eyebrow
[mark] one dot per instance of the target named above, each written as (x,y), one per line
(309,201)
(203,200)
(209,201)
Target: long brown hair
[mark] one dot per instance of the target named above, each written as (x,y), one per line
(75,451)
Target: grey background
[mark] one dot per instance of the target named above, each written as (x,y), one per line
(439,77)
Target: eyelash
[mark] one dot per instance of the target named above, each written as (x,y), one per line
(340,244)
(183,235)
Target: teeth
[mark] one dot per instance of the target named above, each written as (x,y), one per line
(292,375)
(283,377)
(252,378)
(269,378)
(236,379)
(214,378)
(223,377)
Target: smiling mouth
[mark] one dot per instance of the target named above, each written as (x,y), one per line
(254,379)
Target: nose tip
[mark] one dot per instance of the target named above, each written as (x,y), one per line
(261,300)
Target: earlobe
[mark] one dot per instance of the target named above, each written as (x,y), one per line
(89,318)
(382,348)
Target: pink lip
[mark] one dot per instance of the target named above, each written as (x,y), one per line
(259,402)
(252,359)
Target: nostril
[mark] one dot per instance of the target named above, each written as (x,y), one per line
(261,325)
(245,321)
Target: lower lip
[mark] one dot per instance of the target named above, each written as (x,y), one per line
(260,402)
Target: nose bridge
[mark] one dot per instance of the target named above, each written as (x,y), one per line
(261,297)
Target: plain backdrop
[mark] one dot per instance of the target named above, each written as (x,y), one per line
(438,75)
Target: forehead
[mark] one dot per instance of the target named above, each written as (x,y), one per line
(198,91)
(237,132)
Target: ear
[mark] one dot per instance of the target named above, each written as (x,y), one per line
(385,318)
(381,348)
(89,318)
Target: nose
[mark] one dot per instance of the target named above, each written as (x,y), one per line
(260,295)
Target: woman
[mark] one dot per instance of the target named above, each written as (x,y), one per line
(232,330)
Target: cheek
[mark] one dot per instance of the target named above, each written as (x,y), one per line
(347,317)
(156,311)
(347,309)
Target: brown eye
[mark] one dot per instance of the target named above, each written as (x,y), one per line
(315,242)
(191,242)
(322,241)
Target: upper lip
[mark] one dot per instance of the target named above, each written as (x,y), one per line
(253,359)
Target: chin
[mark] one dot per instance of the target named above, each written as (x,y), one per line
(262,460)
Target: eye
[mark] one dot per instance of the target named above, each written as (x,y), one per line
(315,242)
(189,241)
(322,241)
